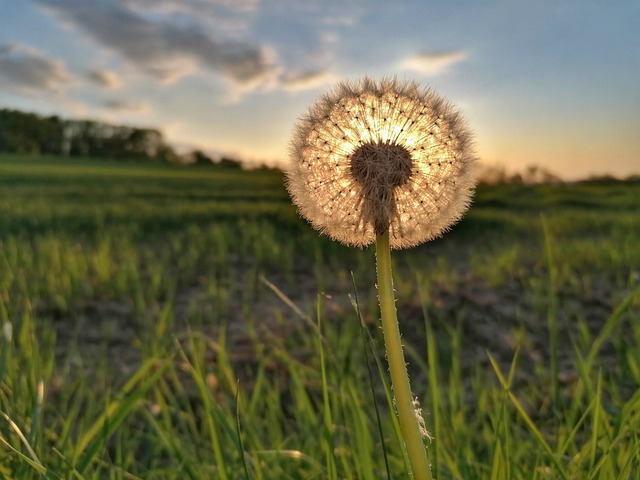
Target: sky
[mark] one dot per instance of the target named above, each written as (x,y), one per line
(549,83)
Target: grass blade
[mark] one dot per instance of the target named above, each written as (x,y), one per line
(239,432)
(363,334)
(542,443)
(116,412)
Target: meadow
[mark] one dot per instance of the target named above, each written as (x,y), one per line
(166,322)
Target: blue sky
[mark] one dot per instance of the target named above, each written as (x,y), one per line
(552,83)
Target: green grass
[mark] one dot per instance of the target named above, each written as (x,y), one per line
(166,323)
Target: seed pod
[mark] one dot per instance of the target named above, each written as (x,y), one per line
(372,156)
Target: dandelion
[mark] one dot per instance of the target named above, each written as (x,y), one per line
(392,163)
(377,156)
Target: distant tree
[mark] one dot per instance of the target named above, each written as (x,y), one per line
(537,174)
(199,158)
(605,179)
(96,139)
(229,163)
(263,167)
(167,154)
(81,140)
(28,133)
(144,143)
(497,174)
(635,178)
(52,136)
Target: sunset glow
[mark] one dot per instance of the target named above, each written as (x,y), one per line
(551,84)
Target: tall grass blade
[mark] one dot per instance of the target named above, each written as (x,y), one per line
(209,410)
(434,395)
(174,446)
(363,331)
(239,432)
(389,398)
(90,443)
(32,459)
(595,428)
(291,304)
(326,404)
(537,435)
(610,325)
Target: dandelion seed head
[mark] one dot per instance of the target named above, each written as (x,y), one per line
(377,155)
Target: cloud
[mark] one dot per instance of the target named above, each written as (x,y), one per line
(306,80)
(29,71)
(104,78)
(237,5)
(164,49)
(196,6)
(433,64)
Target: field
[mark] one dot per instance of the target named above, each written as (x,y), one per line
(164,322)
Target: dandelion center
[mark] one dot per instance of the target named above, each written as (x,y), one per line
(380,168)
(382,164)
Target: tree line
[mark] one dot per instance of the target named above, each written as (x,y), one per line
(32,134)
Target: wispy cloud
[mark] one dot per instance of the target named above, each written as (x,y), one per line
(306,80)
(196,6)
(163,49)
(104,78)
(171,39)
(28,70)
(434,63)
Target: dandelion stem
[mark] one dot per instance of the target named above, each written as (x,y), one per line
(409,421)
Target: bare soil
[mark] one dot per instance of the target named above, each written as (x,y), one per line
(492,319)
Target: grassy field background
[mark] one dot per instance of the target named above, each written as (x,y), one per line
(172,322)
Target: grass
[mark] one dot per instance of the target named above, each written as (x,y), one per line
(145,333)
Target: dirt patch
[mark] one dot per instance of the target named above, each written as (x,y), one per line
(496,319)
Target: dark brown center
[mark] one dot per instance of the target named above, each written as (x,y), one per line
(380,168)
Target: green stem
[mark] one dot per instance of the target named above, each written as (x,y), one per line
(409,423)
